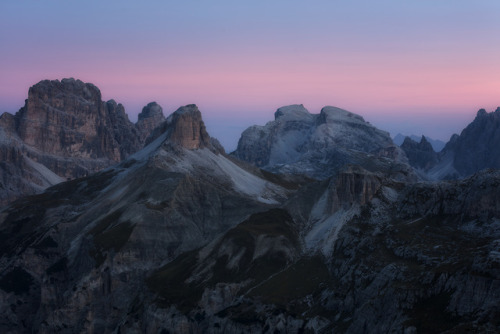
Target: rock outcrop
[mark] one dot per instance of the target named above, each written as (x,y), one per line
(150,117)
(478,147)
(189,131)
(475,149)
(436,144)
(68,118)
(65,131)
(316,145)
(420,155)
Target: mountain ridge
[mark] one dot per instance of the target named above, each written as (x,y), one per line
(473,150)
(65,131)
(437,144)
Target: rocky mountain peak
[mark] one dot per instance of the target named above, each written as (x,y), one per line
(316,145)
(187,128)
(65,90)
(150,117)
(477,146)
(421,155)
(334,114)
(64,131)
(481,112)
(425,142)
(151,110)
(292,112)
(484,117)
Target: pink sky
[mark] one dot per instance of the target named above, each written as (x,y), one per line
(411,68)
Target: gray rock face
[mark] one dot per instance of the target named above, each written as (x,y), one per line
(436,144)
(477,146)
(68,118)
(189,132)
(150,117)
(317,145)
(473,150)
(65,131)
(420,155)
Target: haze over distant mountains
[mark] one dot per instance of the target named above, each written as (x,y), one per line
(316,223)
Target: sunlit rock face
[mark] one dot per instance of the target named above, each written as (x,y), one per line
(65,131)
(316,145)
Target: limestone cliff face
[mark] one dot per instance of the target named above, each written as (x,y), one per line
(189,131)
(355,185)
(150,117)
(65,131)
(185,128)
(68,118)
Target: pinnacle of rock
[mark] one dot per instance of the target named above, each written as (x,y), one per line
(187,128)
(150,117)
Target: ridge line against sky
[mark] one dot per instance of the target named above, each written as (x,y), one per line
(410,67)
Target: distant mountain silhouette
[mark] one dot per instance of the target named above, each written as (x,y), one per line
(436,144)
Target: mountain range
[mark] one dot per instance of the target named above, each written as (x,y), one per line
(316,223)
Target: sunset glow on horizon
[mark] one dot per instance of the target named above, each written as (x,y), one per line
(421,67)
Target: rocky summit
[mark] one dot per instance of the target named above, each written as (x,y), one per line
(475,149)
(317,145)
(477,146)
(65,131)
(420,155)
(150,117)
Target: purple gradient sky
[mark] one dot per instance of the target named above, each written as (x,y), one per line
(406,66)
